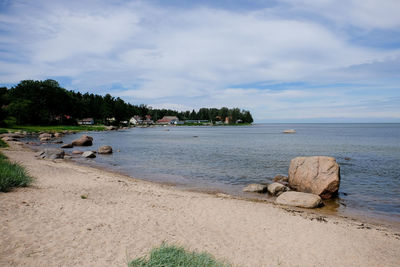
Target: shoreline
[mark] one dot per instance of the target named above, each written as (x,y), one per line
(49,223)
(327,210)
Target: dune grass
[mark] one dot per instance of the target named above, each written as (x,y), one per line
(171,256)
(12,175)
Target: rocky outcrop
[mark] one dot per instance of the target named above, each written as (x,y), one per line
(51,153)
(317,175)
(67,146)
(84,140)
(299,199)
(89,154)
(105,150)
(256,188)
(276,189)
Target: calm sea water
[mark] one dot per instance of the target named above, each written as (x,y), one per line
(227,158)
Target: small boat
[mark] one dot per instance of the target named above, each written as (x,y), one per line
(289,131)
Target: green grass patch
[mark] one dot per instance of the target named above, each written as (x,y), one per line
(3,144)
(172,256)
(12,175)
(55,128)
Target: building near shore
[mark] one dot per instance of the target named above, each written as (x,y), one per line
(86,121)
(168,120)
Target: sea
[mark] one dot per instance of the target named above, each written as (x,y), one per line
(227,158)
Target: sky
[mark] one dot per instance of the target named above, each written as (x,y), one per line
(285,61)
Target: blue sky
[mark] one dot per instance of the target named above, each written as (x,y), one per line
(285,61)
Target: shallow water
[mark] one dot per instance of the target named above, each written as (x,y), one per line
(227,158)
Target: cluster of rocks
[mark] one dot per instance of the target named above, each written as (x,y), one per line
(310,180)
(84,140)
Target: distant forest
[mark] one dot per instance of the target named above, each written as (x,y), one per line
(46,103)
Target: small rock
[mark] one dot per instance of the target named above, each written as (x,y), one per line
(276,189)
(51,153)
(8,139)
(46,135)
(105,150)
(77,152)
(67,146)
(58,135)
(299,199)
(88,154)
(257,188)
(281,179)
(45,139)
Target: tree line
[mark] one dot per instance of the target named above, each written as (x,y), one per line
(47,103)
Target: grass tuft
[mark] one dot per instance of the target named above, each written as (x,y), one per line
(3,144)
(12,175)
(171,256)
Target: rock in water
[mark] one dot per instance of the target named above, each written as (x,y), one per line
(105,150)
(289,131)
(84,140)
(67,146)
(276,189)
(257,188)
(299,199)
(88,154)
(46,135)
(317,175)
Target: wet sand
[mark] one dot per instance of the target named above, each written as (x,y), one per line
(50,224)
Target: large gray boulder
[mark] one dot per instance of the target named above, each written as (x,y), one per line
(317,175)
(299,199)
(105,150)
(276,189)
(256,188)
(84,140)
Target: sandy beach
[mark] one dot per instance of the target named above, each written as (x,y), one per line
(50,224)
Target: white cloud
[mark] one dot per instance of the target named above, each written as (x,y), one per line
(193,57)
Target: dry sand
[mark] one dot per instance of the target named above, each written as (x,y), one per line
(49,224)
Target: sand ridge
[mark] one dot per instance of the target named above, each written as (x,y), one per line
(50,224)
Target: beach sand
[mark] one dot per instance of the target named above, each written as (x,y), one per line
(50,224)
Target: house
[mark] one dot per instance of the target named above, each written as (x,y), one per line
(148,120)
(135,120)
(168,120)
(228,120)
(86,121)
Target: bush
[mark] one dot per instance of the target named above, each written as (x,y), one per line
(171,256)
(12,175)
